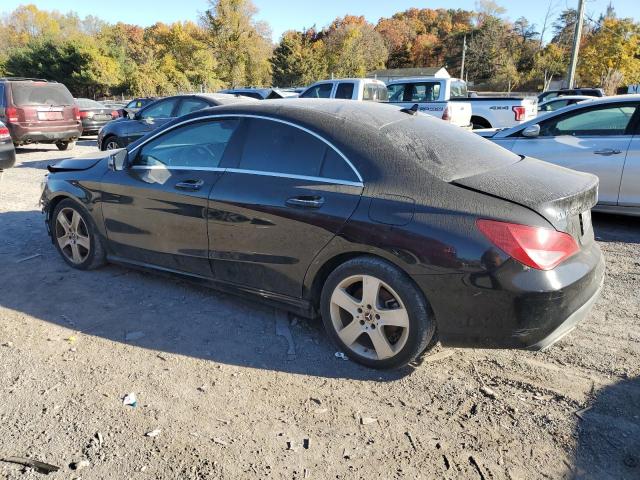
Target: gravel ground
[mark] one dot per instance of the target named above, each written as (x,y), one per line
(214,374)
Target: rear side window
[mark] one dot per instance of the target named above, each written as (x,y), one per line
(383,95)
(197,145)
(39,93)
(189,105)
(424,92)
(162,109)
(396,92)
(319,91)
(334,166)
(345,90)
(279,148)
(459,90)
(605,120)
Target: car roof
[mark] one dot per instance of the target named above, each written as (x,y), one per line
(569,97)
(394,151)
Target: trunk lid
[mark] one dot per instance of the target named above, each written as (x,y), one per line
(562,196)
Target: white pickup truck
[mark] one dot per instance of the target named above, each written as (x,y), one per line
(442,95)
(369,89)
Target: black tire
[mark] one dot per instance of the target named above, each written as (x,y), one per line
(479,122)
(421,320)
(96,256)
(65,145)
(112,139)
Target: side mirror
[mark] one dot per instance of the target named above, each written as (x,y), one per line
(118,159)
(531,131)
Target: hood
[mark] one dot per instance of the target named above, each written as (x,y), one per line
(83,162)
(555,192)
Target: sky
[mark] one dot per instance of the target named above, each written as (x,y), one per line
(284,15)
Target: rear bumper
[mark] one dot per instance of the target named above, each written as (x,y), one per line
(93,125)
(41,133)
(7,155)
(515,307)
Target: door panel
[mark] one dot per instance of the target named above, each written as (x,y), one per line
(630,185)
(149,218)
(601,156)
(265,230)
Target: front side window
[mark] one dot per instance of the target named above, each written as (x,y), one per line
(345,90)
(606,120)
(322,90)
(197,145)
(162,109)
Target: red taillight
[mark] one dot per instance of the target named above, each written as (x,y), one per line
(12,114)
(76,113)
(115,114)
(536,247)
(519,112)
(4,133)
(84,114)
(446,115)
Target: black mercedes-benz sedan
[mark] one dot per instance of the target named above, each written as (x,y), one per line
(121,132)
(394,227)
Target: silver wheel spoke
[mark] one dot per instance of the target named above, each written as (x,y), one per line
(350,333)
(370,290)
(345,301)
(64,223)
(83,242)
(75,253)
(397,317)
(63,241)
(380,343)
(75,221)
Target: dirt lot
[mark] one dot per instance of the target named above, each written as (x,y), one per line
(213,374)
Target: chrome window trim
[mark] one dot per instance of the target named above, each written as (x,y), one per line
(334,181)
(261,117)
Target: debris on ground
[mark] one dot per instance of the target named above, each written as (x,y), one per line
(79,465)
(38,466)
(367,420)
(488,392)
(7,344)
(130,399)
(153,433)
(71,339)
(341,356)
(219,441)
(581,412)
(31,257)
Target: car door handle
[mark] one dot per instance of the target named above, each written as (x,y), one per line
(305,201)
(607,151)
(192,185)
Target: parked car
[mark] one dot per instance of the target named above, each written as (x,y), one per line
(260,93)
(121,132)
(136,105)
(94,115)
(449,97)
(601,137)
(362,89)
(393,226)
(589,92)
(39,111)
(117,107)
(560,102)
(7,151)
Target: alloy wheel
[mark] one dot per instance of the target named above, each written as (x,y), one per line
(112,145)
(72,236)
(369,317)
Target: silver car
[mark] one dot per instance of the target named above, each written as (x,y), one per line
(600,137)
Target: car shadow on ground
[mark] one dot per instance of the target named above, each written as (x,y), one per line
(160,313)
(616,228)
(609,434)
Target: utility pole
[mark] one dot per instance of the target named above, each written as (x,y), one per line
(571,75)
(464,54)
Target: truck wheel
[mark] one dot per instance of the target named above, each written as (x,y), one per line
(479,122)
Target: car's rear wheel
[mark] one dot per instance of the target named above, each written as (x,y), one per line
(65,145)
(75,236)
(376,314)
(112,143)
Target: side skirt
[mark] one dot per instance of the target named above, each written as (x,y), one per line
(298,306)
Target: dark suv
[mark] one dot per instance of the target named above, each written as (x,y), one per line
(39,111)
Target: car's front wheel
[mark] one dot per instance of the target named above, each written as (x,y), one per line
(376,314)
(75,236)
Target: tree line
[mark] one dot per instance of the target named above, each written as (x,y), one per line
(228,47)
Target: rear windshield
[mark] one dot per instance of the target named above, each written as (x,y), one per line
(88,103)
(36,93)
